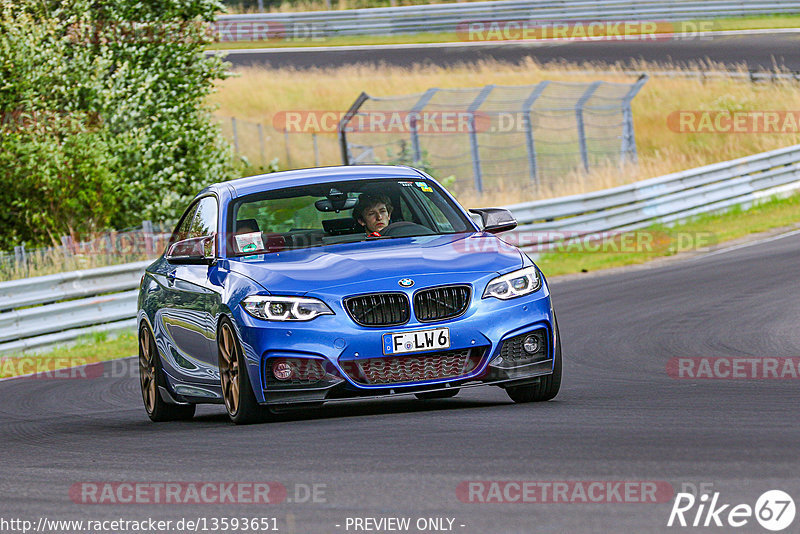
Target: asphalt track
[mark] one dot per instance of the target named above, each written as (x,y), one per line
(619,417)
(755,52)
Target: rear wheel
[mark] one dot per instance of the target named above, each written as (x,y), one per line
(240,402)
(151,376)
(444,394)
(547,387)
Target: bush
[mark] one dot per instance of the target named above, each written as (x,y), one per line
(105,121)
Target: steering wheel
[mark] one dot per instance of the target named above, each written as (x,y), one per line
(406,229)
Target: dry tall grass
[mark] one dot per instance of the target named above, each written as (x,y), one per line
(257,94)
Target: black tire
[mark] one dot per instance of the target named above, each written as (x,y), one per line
(443,394)
(547,387)
(240,402)
(151,376)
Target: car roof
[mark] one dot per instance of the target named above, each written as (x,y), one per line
(300,177)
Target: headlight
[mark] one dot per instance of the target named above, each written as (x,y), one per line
(285,308)
(514,284)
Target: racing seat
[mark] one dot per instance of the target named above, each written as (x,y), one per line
(246,226)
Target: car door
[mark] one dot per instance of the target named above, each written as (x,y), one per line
(188,319)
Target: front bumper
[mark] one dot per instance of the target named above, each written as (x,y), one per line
(337,343)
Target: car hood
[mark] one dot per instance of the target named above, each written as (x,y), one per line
(365,263)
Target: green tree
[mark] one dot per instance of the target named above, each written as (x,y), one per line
(105,121)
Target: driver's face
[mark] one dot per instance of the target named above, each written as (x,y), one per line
(375,218)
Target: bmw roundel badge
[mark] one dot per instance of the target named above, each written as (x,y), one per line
(406,282)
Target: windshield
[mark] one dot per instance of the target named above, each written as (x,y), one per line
(341,212)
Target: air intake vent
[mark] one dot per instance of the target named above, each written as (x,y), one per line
(440,303)
(378,309)
(415,368)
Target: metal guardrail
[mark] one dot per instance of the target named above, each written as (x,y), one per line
(60,307)
(664,199)
(452,17)
(55,308)
(65,286)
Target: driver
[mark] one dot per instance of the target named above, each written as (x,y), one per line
(373,211)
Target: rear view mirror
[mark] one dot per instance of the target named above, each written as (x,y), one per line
(335,204)
(193,251)
(496,220)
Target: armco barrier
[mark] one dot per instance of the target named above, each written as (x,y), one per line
(51,309)
(663,199)
(451,17)
(43,310)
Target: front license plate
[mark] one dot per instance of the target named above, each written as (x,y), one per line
(421,340)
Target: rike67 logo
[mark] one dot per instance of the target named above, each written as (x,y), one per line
(774,510)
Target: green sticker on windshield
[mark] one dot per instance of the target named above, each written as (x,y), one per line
(424,187)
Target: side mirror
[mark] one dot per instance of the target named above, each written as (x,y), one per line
(193,251)
(496,220)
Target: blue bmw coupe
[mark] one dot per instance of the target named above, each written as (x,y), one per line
(317,285)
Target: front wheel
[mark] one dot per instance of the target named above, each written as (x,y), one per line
(547,387)
(240,402)
(151,376)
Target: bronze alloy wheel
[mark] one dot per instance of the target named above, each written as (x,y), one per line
(241,403)
(147,370)
(229,369)
(151,378)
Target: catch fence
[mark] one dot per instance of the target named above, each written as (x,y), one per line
(103,249)
(496,137)
(269,148)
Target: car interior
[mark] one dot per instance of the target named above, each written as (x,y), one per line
(341,227)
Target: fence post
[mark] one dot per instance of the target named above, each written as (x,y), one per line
(261,144)
(473,137)
(109,246)
(288,153)
(235,136)
(149,244)
(628,147)
(531,147)
(419,106)
(341,128)
(581,128)
(20,258)
(66,243)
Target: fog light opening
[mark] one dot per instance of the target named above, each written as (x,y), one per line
(531,344)
(282,370)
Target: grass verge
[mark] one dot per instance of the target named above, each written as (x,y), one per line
(659,241)
(765,22)
(88,349)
